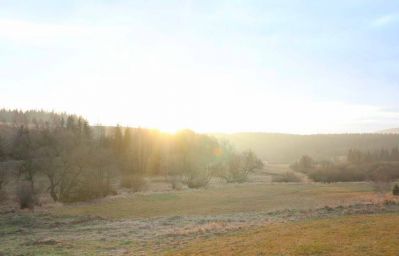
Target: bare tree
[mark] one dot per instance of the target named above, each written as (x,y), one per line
(239,166)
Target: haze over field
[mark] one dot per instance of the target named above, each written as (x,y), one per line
(212,66)
(199,127)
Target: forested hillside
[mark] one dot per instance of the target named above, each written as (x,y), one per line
(288,147)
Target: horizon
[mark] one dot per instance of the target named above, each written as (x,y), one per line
(389,131)
(275,66)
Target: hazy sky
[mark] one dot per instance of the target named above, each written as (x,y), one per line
(280,66)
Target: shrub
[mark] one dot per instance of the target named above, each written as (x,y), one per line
(197,182)
(3,177)
(176,182)
(236,177)
(25,195)
(197,178)
(87,185)
(3,195)
(135,183)
(287,177)
(3,182)
(395,190)
(304,165)
(239,166)
(338,173)
(383,172)
(389,202)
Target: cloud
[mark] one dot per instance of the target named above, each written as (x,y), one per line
(19,29)
(385,20)
(35,33)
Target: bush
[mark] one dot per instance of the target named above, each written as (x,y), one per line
(380,173)
(197,182)
(287,177)
(89,184)
(338,173)
(3,196)
(395,190)
(239,166)
(383,172)
(176,182)
(3,177)
(135,183)
(197,178)
(304,165)
(3,182)
(25,195)
(236,177)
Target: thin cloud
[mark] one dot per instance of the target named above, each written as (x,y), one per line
(19,29)
(384,21)
(28,32)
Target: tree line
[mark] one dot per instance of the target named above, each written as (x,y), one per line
(287,148)
(81,162)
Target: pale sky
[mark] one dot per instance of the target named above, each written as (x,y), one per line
(212,66)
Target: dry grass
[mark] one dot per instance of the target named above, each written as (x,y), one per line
(222,200)
(157,222)
(27,233)
(350,235)
(44,234)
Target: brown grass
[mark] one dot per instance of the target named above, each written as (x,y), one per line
(227,199)
(350,235)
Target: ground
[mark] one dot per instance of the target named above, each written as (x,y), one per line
(254,218)
(348,235)
(231,198)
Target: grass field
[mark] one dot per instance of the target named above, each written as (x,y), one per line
(225,199)
(349,235)
(348,230)
(257,217)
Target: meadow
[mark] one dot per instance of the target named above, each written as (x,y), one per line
(349,235)
(230,198)
(253,218)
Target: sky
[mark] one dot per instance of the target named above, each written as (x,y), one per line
(286,66)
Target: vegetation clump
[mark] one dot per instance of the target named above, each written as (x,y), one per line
(287,177)
(3,181)
(25,195)
(135,183)
(238,166)
(395,190)
(380,167)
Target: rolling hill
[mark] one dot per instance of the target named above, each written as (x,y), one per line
(287,148)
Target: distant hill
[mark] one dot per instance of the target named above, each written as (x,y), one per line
(287,148)
(390,131)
